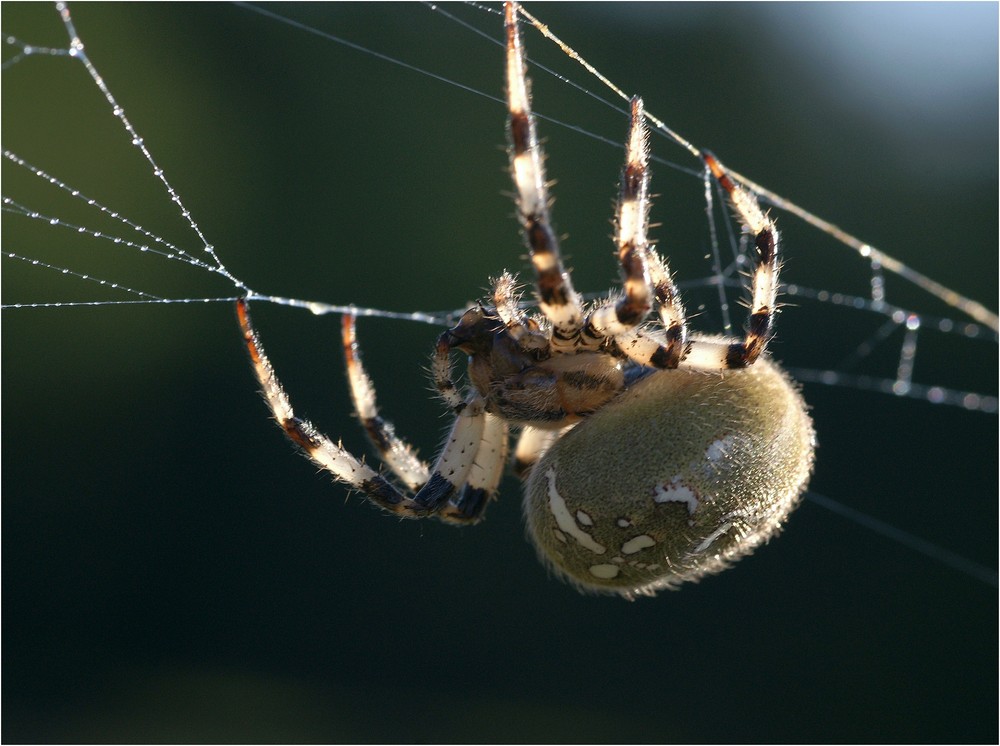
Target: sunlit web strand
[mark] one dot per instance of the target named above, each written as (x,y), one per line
(150,298)
(15,208)
(76,49)
(461,86)
(943,556)
(27,50)
(77,194)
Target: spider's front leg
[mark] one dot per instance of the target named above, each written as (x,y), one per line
(644,273)
(557,299)
(450,473)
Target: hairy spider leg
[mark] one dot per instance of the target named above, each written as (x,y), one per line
(763,307)
(507,303)
(716,355)
(632,222)
(532,445)
(450,473)
(557,299)
(669,306)
(469,503)
(644,272)
(480,487)
(397,454)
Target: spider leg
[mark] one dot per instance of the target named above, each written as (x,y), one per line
(506,301)
(395,453)
(532,443)
(715,355)
(481,485)
(670,307)
(449,473)
(644,272)
(557,299)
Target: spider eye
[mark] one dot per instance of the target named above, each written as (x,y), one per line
(683,474)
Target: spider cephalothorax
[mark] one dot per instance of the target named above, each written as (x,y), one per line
(520,379)
(650,456)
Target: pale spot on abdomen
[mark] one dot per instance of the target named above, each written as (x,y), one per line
(640,542)
(565,521)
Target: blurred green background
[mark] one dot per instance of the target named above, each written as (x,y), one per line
(174,572)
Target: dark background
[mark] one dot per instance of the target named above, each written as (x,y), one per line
(173,571)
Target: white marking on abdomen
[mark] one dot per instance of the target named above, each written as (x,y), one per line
(719,449)
(605,572)
(676,492)
(640,542)
(565,521)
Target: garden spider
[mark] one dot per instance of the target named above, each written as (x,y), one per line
(648,458)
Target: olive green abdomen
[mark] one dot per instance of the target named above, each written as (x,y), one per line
(683,473)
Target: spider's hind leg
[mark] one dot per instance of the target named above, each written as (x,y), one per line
(532,443)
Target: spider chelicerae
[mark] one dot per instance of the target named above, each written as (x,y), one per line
(649,456)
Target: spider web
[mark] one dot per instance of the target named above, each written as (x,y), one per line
(883,326)
(324,171)
(884,335)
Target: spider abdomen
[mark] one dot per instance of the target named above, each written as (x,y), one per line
(683,473)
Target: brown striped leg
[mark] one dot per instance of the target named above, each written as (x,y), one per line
(395,453)
(720,354)
(764,284)
(449,473)
(441,373)
(670,308)
(507,302)
(480,488)
(632,221)
(644,273)
(558,300)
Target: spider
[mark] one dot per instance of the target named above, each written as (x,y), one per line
(650,457)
